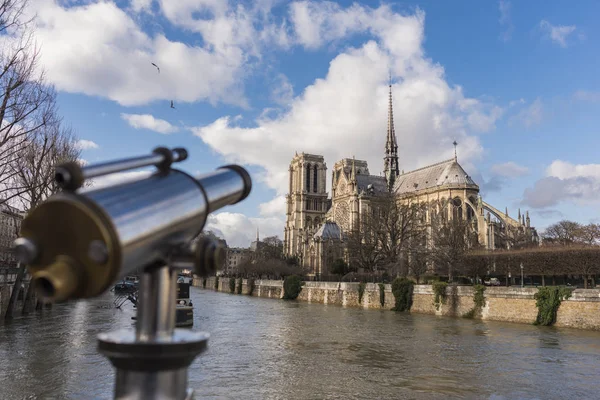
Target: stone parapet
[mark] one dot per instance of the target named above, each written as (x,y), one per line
(509,304)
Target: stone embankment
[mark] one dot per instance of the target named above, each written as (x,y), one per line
(509,304)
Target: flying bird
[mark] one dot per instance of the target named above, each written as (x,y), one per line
(156,67)
(172,106)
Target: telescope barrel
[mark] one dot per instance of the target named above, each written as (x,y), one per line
(78,244)
(71,176)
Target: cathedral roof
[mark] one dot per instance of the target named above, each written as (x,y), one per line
(447,172)
(329,230)
(378,182)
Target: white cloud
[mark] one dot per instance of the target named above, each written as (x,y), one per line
(99,50)
(345,112)
(82,162)
(86,144)
(529,116)
(283,91)
(147,121)
(505,19)
(565,182)
(557,33)
(509,170)
(141,5)
(239,230)
(275,207)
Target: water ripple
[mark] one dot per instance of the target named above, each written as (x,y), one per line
(267,349)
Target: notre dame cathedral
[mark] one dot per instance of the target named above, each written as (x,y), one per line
(315,223)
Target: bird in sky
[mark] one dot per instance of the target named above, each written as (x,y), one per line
(172,105)
(156,67)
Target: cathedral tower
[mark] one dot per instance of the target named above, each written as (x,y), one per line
(390,161)
(306,202)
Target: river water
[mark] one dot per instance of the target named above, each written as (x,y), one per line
(270,349)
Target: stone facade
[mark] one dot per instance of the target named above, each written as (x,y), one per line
(443,189)
(508,304)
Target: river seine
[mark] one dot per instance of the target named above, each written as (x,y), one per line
(269,349)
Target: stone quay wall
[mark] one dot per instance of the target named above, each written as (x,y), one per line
(509,304)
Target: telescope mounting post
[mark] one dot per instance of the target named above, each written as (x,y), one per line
(152,362)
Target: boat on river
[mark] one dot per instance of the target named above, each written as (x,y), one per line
(184,309)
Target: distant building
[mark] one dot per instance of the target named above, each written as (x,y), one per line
(10,224)
(235,256)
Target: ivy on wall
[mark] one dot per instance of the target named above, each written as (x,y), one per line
(439,289)
(547,301)
(402,290)
(478,301)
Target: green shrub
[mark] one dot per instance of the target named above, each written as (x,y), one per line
(232,285)
(427,279)
(239,288)
(402,289)
(478,300)
(204,283)
(547,300)
(382,294)
(216,283)
(361,291)
(439,288)
(251,286)
(292,285)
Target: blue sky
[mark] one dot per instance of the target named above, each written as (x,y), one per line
(515,83)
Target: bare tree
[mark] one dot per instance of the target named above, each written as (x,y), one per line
(398,226)
(363,243)
(563,232)
(451,241)
(26,102)
(589,234)
(33,174)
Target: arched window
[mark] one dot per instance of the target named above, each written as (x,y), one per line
(308,177)
(315,180)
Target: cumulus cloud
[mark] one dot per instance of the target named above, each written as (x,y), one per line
(565,182)
(275,207)
(141,5)
(344,113)
(86,144)
(529,116)
(557,33)
(505,20)
(147,121)
(98,49)
(283,90)
(239,230)
(509,170)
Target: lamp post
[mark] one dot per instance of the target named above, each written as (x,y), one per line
(522,283)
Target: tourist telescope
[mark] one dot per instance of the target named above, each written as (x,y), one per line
(79,242)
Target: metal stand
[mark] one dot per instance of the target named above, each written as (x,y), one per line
(152,362)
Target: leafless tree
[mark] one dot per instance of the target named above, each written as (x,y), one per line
(363,244)
(451,241)
(33,174)
(563,233)
(398,226)
(26,102)
(589,234)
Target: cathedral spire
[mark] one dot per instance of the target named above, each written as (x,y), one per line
(391,147)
